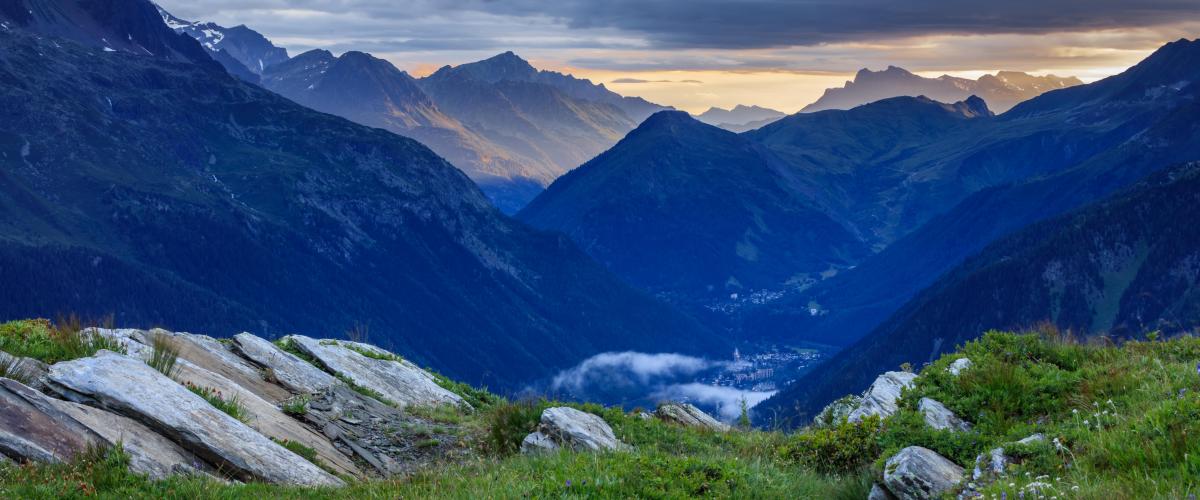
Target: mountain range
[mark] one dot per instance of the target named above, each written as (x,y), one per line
(510,127)
(154,185)
(1002,90)
(1105,136)
(740,118)
(243,52)
(696,213)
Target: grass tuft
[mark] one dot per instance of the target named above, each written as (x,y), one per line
(164,353)
(63,340)
(232,405)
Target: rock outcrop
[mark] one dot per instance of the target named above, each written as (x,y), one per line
(958,366)
(33,429)
(689,416)
(391,441)
(917,473)
(837,411)
(130,387)
(265,417)
(286,368)
(573,429)
(396,380)
(880,399)
(149,452)
(939,417)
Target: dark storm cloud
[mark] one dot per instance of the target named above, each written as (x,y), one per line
(774,23)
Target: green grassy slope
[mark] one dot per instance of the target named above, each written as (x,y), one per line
(1118,423)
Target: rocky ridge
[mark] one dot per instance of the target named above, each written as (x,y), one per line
(244,409)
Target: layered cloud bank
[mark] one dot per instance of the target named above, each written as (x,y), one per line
(645,379)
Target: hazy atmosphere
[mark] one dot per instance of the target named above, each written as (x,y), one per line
(697,54)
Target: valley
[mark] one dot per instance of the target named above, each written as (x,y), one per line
(290,252)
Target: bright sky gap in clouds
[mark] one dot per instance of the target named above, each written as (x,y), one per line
(693,54)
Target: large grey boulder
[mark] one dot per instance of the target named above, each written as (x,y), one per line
(578,430)
(288,369)
(958,366)
(149,452)
(689,416)
(398,381)
(32,429)
(128,386)
(941,418)
(917,473)
(267,418)
(880,399)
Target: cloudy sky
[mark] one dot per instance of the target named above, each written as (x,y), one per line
(698,53)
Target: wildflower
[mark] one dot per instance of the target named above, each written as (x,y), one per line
(1075,411)
(568,483)
(1085,422)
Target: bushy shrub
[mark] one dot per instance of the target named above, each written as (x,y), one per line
(838,448)
(508,423)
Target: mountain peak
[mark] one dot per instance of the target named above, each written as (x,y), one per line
(503,66)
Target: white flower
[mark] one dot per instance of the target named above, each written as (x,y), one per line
(1075,411)
(1085,422)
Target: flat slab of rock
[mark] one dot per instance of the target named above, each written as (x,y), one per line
(578,430)
(290,371)
(917,473)
(149,452)
(268,419)
(32,429)
(400,382)
(689,416)
(941,418)
(880,399)
(28,371)
(128,386)
(218,357)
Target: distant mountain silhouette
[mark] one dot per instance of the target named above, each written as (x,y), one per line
(547,122)
(740,118)
(1001,91)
